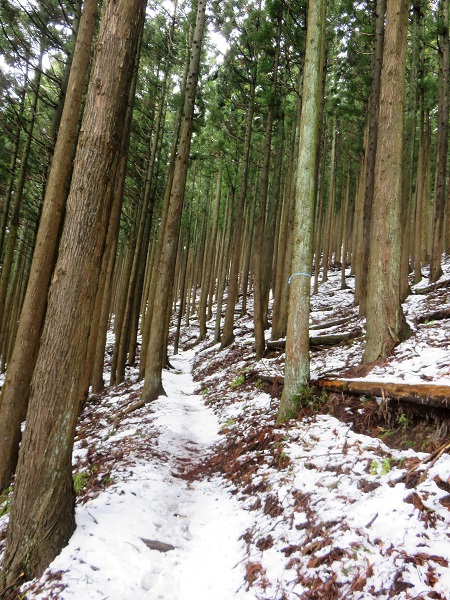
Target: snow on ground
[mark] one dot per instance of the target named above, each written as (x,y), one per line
(149,501)
(201,495)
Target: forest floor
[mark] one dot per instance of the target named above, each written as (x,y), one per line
(201,495)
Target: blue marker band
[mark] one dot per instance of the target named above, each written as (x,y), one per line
(296,275)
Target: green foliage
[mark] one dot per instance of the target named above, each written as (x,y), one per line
(382,468)
(5,502)
(80,481)
(385,466)
(238,381)
(403,421)
(305,399)
(385,433)
(374,467)
(308,398)
(229,423)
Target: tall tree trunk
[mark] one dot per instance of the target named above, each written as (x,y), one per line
(98,331)
(119,316)
(170,235)
(246,255)
(258,256)
(296,373)
(183,277)
(15,393)
(371,151)
(442,141)
(408,160)
(18,193)
(386,324)
(223,269)
(272,226)
(233,283)
(147,318)
(42,509)
(283,256)
(330,209)
(209,261)
(420,194)
(345,234)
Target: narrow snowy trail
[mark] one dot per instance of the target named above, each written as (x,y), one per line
(107,557)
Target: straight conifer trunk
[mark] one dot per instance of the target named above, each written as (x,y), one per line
(442,141)
(296,373)
(386,324)
(42,509)
(371,150)
(233,283)
(15,392)
(206,280)
(166,268)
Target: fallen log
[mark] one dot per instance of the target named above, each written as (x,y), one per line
(434,286)
(319,340)
(426,394)
(435,315)
(332,323)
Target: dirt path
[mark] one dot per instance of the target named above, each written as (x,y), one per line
(150,502)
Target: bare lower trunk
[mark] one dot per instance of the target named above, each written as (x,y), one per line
(15,393)
(297,338)
(42,509)
(386,324)
(170,235)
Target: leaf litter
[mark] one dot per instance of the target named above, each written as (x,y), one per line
(202,495)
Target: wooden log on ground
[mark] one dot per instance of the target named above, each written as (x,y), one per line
(426,394)
(435,315)
(342,321)
(434,286)
(319,340)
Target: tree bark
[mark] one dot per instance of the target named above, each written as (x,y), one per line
(258,252)
(42,509)
(209,260)
(330,209)
(283,256)
(442,141)
(297,339)
(386,323)
(15,392)
(166,267)
(345,234)
(372,140)
(233,283)
(409,143)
